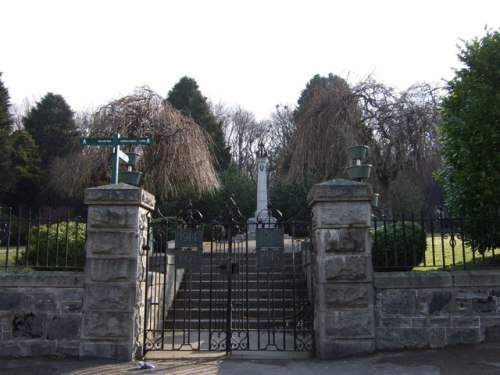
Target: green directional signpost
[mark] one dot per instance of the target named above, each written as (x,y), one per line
(116,141)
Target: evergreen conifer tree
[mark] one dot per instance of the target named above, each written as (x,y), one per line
(187,98)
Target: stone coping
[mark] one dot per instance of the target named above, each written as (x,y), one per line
(340,190)
(42,279)
(435,279)
(119,194)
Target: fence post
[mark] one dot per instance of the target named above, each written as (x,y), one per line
(115,274)
(343,277)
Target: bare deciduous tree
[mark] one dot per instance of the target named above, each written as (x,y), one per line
(281,127)
(399,128)
(180,156)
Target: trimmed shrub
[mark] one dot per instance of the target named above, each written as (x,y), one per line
(58,247)
(398,246)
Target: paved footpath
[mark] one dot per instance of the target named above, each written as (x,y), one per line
(482,359)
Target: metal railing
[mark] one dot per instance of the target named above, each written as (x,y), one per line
(440,241)
(48,239)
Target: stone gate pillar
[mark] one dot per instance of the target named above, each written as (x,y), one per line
(343,281)
(112,317)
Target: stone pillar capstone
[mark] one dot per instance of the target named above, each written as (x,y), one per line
(115,274)
(343,280)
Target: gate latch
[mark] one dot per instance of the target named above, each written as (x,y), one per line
(235,268)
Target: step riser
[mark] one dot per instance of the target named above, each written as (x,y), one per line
(195,286)
(244,270)
(181,304)
(221,295)
(263,315)
(194,326)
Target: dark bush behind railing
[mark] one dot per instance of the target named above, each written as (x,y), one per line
(48,239)
(441,241)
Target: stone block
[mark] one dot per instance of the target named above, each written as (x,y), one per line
(440,301)
(455,336)
(394,322)
(462,305)
(117,243)
(72,307)
(465,321)
(344,268)
(491,326)
(28,325)
(28,348)
(70,294)
(113,217)
(110,297)
(116,350)
(476,278)
(44,300)
(433,321)
(341,215)
(486,305)
(10,299)
(345,296)
(420,280)
(111,270)
(335,349)
(353,240)
(68,348)
(107,324)
(64,327)
(399,303)
(406,338)
(347,324)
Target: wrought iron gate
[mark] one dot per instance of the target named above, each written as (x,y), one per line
(232,292)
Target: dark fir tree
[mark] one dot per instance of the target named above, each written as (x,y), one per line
(28,171)
(5,141)
(53,128)
(187,98)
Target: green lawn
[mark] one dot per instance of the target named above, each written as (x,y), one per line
(433,260)
(458,255)
(12,258)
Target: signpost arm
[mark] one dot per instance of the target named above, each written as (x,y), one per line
(115,160)
(116,141)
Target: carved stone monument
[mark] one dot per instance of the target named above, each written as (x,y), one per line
(262,215)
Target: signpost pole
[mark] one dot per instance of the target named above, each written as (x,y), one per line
(116,160)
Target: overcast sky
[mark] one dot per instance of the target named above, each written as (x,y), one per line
(255,54)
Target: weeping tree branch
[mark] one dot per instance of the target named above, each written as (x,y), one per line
(180,157)
(323,132)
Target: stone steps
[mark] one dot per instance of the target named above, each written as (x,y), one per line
(260,299)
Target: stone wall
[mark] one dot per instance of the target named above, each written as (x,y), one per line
(358,311)
(97,313)
(40,313)
(436,309)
